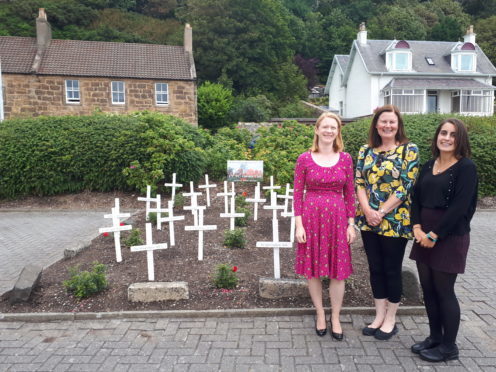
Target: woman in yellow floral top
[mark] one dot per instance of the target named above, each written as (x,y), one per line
(387,168)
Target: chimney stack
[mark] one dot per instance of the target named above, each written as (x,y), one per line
(188,38)
(470,35)
(362,34)
(43,30)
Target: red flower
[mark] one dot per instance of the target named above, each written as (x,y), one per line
(122,224)
(105,234)
(245,194)
(234,269)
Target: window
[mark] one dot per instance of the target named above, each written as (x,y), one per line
(429,61)
(118,93)
(399,61)
(463,62)
(407,100)
(466,62)
(161,93)
(472,101)
(72,91)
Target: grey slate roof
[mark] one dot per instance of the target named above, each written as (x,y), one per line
(343,61)
(439,51)
(405,83)
(99,59)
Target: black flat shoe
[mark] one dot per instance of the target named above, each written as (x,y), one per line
(384,336)
(428,343)
(369,331)
(439,354)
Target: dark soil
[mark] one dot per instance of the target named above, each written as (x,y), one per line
(178,263)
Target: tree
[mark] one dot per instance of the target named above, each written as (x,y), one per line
(248,42)
(486,34)
(479,8)
(396,22)
(448,29)
(214,104)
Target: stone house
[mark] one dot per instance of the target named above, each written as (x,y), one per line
(45,76)
(416,76)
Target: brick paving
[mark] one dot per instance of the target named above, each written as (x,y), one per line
(270,343)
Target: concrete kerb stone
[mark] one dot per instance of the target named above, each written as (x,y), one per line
(227,313)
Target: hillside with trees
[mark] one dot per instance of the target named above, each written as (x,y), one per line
(268,50)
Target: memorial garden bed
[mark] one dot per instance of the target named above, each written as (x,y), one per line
(178,263)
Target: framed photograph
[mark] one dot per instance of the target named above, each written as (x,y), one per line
(245,170)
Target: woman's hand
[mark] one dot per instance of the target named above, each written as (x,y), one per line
(350,234)
(419,234)
(373,217)
(300,235)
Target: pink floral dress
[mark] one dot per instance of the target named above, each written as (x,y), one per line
(327,204)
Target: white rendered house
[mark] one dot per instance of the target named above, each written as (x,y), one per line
(416,76)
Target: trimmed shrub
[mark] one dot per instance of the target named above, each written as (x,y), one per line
(214,105)
(134,238)
(242,221)
(235,238)
(85,283)
(225,276)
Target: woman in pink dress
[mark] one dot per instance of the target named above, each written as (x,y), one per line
(325,218)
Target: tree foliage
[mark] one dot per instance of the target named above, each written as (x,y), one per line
(214,105)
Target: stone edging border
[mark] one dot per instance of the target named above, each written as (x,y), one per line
(227,313)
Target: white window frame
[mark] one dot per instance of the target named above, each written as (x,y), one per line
(456,62)
(390,95)
(160,92)
(468,98)
(71,91)
(391,60)
(118,90)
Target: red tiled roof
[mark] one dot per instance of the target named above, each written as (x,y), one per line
(96,58)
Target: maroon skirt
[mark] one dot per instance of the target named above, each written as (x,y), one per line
(449,254)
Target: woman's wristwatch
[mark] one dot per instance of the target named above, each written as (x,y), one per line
(432,239)
(381,210)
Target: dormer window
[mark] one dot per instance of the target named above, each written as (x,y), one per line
(464,58)
(399,57)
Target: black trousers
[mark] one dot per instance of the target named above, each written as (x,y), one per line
(385,258)
(441,304)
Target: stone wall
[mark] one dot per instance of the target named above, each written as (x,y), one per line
(34,95)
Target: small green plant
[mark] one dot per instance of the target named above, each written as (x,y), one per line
(241,200)
(235,238)
(225,276)
(242,221)
(85,283)
(179,200)
(134,238)
(152,217)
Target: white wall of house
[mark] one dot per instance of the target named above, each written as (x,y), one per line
(444,101)
(336,90)
(359,91)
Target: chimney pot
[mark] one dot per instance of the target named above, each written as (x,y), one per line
(362,34)
(470,35)
(188,38)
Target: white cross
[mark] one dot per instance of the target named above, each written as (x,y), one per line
(171,218)
(286,197)
(292,227)
(149,247)
(257,199)
(174,186)
(207,187)
(226,196)
(200,228)
(159,210)
(194,202)
(275,243)
(117,211)
(148,199)
(116,228)
(232,214)
(272,186)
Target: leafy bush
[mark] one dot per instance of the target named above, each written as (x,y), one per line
(240,201)
(256,109)
(134,238)
(85,283)
(225,276)
(179,200)
(214,105)
(222,150)
(242,221)
(296,110)
(152,217)
(235,238)
(280,146)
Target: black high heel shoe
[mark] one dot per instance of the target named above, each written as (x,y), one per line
(320,332)
(336,336)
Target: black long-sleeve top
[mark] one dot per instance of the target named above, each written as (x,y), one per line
(454,190)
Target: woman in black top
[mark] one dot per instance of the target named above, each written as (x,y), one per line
(444,201)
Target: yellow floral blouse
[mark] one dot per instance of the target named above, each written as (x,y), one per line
(382,174)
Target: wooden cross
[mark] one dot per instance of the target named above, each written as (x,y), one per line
(158,210)
(194,202)
(293,223)
(226,196)
(275,244)
(286,197)
(272,187)
(149,247)
(174,186)
(117,211)
(232,214)
(171,218)
(207,187)
(257,199)
(148,200)
(116,228)
(200,228)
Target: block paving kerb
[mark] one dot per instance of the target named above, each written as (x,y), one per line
(268,343)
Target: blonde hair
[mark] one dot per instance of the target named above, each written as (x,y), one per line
(338,144)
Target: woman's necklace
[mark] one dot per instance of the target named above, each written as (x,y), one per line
(440,168)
